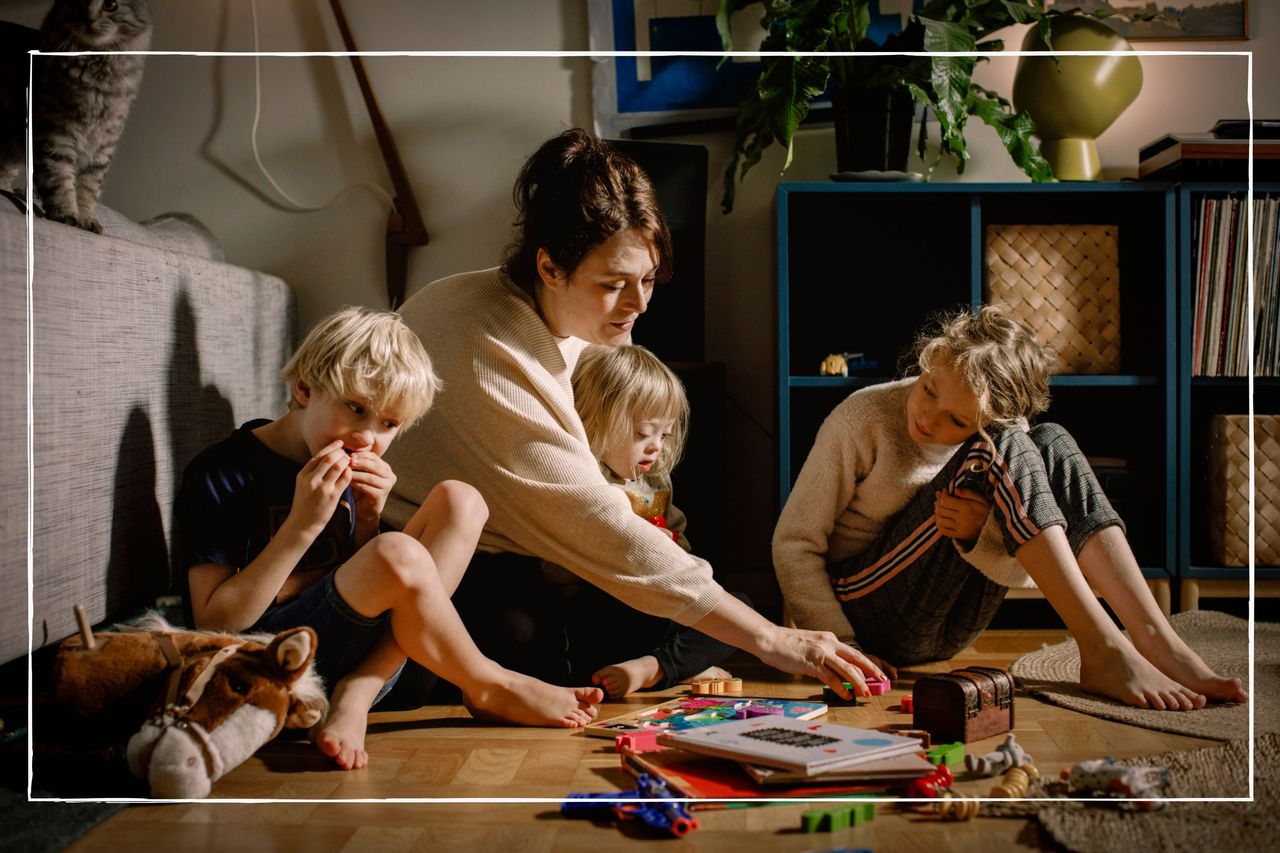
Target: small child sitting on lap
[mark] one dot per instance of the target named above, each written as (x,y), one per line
(636,415)
(280,525)
(923,500)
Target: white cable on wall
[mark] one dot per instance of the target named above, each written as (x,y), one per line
(253,139)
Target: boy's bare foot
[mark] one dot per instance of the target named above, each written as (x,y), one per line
(619,679)
(340,735)
(1123,674)
(1172,656)
(521,699)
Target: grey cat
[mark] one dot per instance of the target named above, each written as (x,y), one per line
(79,104)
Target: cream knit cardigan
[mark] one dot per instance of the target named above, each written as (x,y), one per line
(505,423)
(863,469)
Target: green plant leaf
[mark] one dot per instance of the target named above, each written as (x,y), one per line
(1015,130)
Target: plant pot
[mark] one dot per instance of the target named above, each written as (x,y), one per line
(873,129)
(1074,99)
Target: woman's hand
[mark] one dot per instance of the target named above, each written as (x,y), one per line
(962,515)
(820,655)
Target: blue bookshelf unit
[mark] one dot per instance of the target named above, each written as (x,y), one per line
(862,267)
(1201,397)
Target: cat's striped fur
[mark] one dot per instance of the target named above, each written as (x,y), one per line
(79,103)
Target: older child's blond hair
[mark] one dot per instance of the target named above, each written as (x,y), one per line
(614,387)
(1001,361)
(368,355)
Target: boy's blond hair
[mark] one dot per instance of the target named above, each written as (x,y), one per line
(368,355)
(1001,361)
(613,387)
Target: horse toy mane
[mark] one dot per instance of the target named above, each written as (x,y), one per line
(191,705)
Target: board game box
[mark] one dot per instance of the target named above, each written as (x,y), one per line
(686,713)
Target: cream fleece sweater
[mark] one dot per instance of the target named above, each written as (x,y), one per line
(505,423)
(863,469)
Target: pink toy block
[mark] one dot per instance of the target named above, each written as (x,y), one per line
(878,686)
(638,742)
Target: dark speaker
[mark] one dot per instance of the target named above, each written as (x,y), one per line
(674,325)
(698,482)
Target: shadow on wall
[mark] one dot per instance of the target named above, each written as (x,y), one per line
(198,414)
(137,570)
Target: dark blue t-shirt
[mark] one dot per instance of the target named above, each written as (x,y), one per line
(237,493)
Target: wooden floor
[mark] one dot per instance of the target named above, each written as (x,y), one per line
(439,752)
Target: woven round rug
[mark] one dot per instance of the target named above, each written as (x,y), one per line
(1053,673)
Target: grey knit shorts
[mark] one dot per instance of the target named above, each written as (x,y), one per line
(911,597)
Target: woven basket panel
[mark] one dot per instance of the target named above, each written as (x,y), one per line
(1229,489)
(1063,283)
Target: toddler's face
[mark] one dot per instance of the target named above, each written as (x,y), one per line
(635,458)
(941,408)
(360,427)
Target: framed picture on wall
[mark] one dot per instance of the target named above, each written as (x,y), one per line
(1206,20)
(686,94)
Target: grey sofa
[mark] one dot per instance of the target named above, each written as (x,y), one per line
(138,347)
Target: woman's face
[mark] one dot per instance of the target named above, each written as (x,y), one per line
(941,408)
(600,300)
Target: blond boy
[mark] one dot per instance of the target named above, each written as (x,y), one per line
(281,526)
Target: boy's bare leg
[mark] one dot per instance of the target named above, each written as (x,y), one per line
(1109,663)
(340,735)
(1108,562)
(449,523)
(395,572)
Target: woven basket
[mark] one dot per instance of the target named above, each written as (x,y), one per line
(1229,489)
(1063,283)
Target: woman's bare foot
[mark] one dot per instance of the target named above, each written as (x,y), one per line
(1172,656)
(517,698)
(619,679)
(1123,674)
(340,735)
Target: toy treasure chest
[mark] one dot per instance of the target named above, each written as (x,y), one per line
(965,704)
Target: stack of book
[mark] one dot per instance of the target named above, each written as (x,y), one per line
(763,748)
(1220,345)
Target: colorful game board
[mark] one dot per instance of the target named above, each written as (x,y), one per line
(693,712)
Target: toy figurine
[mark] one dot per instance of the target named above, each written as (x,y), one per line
(1005,757)
(1104,777)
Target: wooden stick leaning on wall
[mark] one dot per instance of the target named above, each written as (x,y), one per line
(405,227)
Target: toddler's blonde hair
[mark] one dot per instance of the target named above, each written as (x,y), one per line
(613,387)
(1001,361)
(368,355)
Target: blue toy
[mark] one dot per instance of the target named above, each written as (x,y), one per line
(669,816)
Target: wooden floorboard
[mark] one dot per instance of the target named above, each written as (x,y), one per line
(439,752)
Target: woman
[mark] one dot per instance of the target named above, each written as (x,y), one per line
(590,246)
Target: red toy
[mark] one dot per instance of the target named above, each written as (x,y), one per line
(638,742)
(929,786)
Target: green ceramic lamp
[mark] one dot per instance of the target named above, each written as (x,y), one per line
(1076,98)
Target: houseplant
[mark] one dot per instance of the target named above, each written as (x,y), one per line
(786,86)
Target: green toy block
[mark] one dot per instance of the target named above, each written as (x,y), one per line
(838,818)
(951,754)
(833,698)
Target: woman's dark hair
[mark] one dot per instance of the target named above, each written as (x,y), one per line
(574,193)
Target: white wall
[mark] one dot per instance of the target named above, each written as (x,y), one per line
(464,125)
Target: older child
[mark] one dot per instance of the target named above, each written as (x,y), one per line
(636,415)
(923,500)
(280,525)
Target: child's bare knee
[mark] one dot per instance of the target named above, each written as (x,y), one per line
(462,500)
(399,559)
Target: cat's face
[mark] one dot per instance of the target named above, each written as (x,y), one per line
(100,24)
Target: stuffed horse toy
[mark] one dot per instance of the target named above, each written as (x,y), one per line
(192,705)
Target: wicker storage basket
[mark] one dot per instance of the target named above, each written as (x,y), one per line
(1063,283)
(1229,489)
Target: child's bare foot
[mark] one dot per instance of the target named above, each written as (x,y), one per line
(1177,660)
(340,735)
(619,679)
(521,699)
(1123,674)
(712,673)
